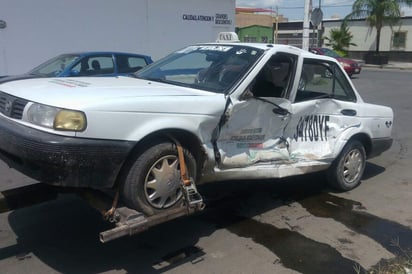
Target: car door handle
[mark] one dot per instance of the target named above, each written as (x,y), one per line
(348,112)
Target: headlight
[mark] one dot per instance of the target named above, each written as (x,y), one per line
(56,118)
(70,120)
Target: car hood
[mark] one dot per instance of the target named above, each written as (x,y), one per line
(87,91)
(17,77)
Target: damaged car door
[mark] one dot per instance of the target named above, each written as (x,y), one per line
(324,108)
(281,131)
(253,132)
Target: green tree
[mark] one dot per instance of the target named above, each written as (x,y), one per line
(340,39)
(378,13)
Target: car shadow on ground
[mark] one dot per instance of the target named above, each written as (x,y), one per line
(63,233)
(372,170)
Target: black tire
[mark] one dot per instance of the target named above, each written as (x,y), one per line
(152,182)
(347,169)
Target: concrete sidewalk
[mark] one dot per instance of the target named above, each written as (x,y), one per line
(390,65)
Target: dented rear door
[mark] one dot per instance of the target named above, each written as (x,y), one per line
(324,109)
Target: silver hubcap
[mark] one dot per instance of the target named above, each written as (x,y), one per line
(352,166)
(162,183)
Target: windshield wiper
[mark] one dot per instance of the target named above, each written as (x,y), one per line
(155,79)
(326,95)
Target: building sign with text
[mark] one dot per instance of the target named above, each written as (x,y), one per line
(218,18)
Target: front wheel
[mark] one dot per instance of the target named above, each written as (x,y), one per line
(346,171)
(153,183)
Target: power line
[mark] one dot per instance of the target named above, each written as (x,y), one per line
(323,6)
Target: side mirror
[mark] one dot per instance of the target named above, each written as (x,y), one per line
(247,95)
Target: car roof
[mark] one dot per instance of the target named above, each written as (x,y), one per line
(272,48)
(89,53)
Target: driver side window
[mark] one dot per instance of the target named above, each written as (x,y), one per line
(275,77)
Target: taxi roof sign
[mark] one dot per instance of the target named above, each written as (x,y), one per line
(227,37)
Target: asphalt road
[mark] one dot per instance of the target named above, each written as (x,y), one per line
(295,225)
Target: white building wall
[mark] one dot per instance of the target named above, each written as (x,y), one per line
(365,38)
(38,30)
(173,24)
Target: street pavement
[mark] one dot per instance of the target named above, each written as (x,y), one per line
(11,178)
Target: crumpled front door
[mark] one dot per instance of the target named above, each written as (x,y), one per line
(254,133)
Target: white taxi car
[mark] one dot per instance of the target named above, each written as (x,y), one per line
(239,110)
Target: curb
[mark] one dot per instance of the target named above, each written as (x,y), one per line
(389,66)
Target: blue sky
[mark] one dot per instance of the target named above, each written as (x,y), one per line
(293,9)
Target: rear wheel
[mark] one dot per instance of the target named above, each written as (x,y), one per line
(346,171)
(153,183)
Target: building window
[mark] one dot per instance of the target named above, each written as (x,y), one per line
(265,39)
(399,39)
(250,39)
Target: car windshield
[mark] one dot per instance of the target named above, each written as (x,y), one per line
(54,66)
(215,68)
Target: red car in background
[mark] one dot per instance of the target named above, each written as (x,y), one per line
(351,66)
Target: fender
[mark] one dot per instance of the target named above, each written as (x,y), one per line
(347,134)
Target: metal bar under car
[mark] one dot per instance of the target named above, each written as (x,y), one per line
(132,222)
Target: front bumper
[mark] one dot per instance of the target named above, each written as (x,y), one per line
(61,160)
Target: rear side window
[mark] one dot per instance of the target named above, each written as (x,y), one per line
(321,79)
(129,64)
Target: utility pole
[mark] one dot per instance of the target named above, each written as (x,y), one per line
(277,24)
(305,35)
(320,33)
(273,26)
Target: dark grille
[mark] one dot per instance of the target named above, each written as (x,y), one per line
(11,106)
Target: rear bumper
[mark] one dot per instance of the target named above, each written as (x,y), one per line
(353,70)
(61,160)
(379,146)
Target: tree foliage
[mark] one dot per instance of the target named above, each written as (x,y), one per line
(378,13)
(340,39)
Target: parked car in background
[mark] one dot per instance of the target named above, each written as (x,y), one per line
(86,64)
(350,66)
